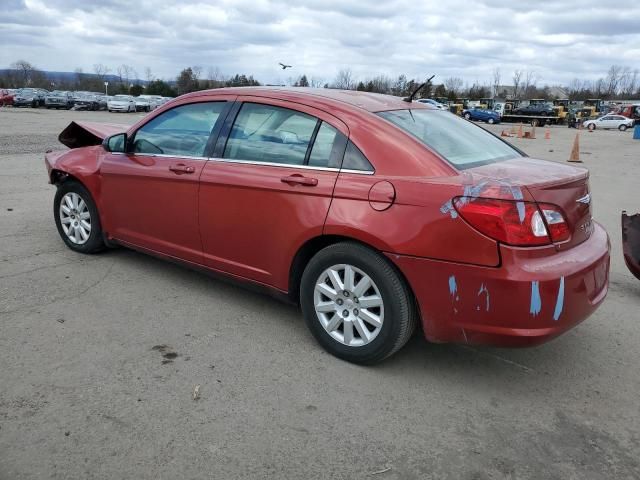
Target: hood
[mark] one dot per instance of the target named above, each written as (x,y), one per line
(85,134)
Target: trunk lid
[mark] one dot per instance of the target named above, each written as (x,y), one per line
(565,186)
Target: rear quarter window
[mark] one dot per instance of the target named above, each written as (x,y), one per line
(458,141)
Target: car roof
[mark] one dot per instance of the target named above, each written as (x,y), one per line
(371,102)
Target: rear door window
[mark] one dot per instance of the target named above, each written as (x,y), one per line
(270,134)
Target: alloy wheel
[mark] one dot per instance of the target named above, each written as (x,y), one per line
(75,218)
(348,305)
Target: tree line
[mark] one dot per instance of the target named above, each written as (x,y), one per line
(619,83)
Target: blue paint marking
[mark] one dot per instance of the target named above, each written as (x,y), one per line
(536,302)
(560,301)
(453,287)
(447,208)
(517,195)
(484,290)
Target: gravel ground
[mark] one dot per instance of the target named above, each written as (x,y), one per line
(100,356)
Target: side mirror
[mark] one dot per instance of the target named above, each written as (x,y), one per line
(115,143)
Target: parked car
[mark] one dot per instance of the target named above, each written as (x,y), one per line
(143,104)
(370,212)
(29,97)
(6,97)
(481,114)
(430,101)
(541,109)
(609,122)
(86,101)
(152,101)
(59,99)
(121,103)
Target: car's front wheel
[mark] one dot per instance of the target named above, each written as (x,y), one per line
(592,126)
(77,218)
(491,121)
(622,128)
(356,304)
(467,116)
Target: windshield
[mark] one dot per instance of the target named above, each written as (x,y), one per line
(461,143)
(122,98)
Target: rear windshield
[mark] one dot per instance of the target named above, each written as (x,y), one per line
(460,142)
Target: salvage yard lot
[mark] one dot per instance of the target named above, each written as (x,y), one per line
(101,354)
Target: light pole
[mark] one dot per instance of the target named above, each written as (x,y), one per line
(106,88)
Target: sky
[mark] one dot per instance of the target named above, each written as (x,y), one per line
(558,40)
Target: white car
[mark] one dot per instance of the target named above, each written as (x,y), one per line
(433,103)
(609,121)
(143,104)
(121,103)
(154,101)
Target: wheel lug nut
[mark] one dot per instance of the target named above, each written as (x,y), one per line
(355,312)
(346,294)
(339,301)
(355,299)
(345,313)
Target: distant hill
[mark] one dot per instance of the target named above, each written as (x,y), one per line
(71,76)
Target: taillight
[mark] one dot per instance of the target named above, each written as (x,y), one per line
(556,224)
(513,222)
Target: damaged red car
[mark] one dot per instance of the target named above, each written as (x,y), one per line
(372,212)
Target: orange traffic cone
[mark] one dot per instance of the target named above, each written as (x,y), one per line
(575,151)
(532,135)
(520,134)
(547,134)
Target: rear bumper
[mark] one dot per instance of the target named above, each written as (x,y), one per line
(531,298)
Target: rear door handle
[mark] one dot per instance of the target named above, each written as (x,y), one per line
(297,179)
(181,168)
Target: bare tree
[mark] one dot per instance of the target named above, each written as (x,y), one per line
(344,80)
(517,75)
(101,71)
(529,84)
(148,74)
(453,85)
(496,81)
(25,71)
(125,73)
(612,81)
(316,82)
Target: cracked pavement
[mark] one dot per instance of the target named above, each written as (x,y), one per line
(84,393)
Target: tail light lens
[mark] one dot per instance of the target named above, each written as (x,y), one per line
(517,223)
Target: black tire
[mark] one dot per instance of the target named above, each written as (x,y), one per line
(491,121)
(467,116)
(95,242)
(399,307)
(534,122)
(622,128)
(591,127)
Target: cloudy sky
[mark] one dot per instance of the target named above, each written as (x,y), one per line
(559,40)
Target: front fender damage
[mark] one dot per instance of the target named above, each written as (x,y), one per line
(631,242)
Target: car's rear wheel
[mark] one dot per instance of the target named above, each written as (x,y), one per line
(592,127)
(77,218)
(622,128)
(356,304)
(467,116)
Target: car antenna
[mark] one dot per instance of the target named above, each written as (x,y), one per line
(413,94)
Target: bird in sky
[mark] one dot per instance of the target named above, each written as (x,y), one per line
(284,67)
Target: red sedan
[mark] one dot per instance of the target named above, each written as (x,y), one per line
(372,212)
(6,97)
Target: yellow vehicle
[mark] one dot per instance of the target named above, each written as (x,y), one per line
(456,108)
(487,103)
(561,107)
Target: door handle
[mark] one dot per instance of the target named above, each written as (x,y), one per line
(297,179)
(182,168)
